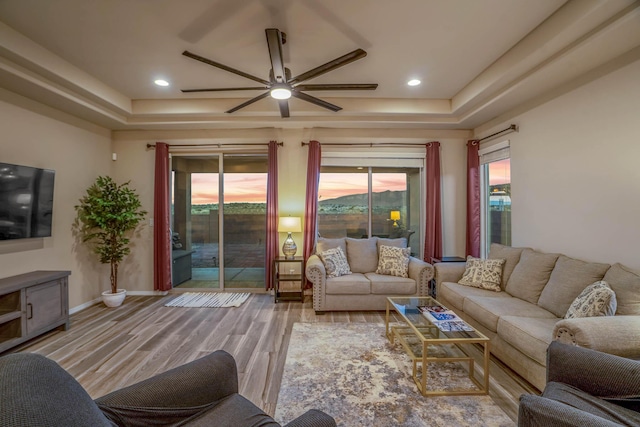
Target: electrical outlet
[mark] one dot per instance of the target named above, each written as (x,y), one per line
(150,222)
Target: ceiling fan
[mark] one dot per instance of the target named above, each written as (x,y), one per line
(281,85)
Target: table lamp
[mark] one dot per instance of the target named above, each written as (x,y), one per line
(395,217)
(289,224)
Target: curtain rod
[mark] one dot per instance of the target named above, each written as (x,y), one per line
(512,128)
(280,144)
(372,144)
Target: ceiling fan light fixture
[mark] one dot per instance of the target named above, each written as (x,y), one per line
(280,91)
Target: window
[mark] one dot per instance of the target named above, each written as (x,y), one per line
(361,198)
(495,175)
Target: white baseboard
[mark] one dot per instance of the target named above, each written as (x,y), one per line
(99,300)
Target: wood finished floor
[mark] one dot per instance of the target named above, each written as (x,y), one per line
(106,349)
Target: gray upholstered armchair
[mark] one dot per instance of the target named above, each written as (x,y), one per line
(584,388)
(36,391)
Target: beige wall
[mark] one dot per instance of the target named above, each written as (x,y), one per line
(576,171)
(136,163)
(78,152)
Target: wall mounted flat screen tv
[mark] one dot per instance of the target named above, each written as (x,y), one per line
(26,202)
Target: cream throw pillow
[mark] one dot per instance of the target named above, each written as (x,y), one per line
(335,262)
(597,299)
(483,273)
(393,261)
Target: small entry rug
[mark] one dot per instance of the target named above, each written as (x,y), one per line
(208,299)
(353,373)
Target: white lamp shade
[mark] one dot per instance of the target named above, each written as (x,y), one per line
(289,224)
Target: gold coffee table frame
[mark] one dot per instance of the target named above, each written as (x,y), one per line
(417,326)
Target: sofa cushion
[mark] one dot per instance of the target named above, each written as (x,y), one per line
(362,255)
(626,284)
(483,273)
(455,294)
(568,278)
(530,275)
(400,242)
(355,283)
(335,262)
(530,335)
(324,244)
(383,284)
(487,310)
(510,255)
(597,299)
(393,261)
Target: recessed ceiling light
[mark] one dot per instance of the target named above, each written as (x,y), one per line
(414,82)
(161,82)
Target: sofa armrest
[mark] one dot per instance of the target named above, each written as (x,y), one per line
(180,392)
(619,335)
(313,418)
(422,272)
(317,275)
(448,272)
(594,372)
(538,411)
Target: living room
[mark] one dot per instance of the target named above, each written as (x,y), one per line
(570,83)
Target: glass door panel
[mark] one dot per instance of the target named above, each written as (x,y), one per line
(343,206)
(195,230)
(498,218)
(244,218)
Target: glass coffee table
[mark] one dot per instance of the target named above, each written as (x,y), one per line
(418,331)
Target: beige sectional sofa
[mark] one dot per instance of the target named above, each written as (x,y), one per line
(363,289)
(528,313)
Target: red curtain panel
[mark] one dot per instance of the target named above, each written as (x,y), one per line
(272,249)
(311,200)
(161,230)
(473,199)
(433,223)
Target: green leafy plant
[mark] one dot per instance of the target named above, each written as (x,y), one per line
(106,216)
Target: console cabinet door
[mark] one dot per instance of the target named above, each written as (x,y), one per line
(45,305)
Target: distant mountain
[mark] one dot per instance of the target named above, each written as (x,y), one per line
(382,199)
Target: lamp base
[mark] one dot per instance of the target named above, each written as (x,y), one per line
(289,247)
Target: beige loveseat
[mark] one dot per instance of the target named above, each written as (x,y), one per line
(537,290)
(363,289)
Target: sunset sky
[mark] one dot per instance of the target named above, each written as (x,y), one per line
(252,188)
(500,172)
(239,187)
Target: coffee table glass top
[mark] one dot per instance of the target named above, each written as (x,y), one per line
(407,307)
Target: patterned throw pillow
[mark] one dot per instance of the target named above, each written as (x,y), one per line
(483,273)
(597,299)
(393,261)
(335,262)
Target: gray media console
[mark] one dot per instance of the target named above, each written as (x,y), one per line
(32,304)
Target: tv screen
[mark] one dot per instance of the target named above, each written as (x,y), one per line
(26,201)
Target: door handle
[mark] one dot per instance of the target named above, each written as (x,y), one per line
(29,310)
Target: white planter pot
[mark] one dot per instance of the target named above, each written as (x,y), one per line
(114,300)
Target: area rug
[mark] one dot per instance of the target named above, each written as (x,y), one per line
(353,373)
(208,299)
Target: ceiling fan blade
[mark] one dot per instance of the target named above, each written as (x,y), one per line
(317,101)
(224,67)
(274,41)
(249,102)
(284,108)
(343,86)
(222,89)
(329,66)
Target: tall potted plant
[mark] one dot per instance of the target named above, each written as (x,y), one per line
(106,217)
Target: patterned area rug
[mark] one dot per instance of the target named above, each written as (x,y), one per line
(208,299)
(352,372)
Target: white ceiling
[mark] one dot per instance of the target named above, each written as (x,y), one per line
(477,59)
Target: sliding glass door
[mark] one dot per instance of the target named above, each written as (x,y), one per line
(370,201)
(218,221)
